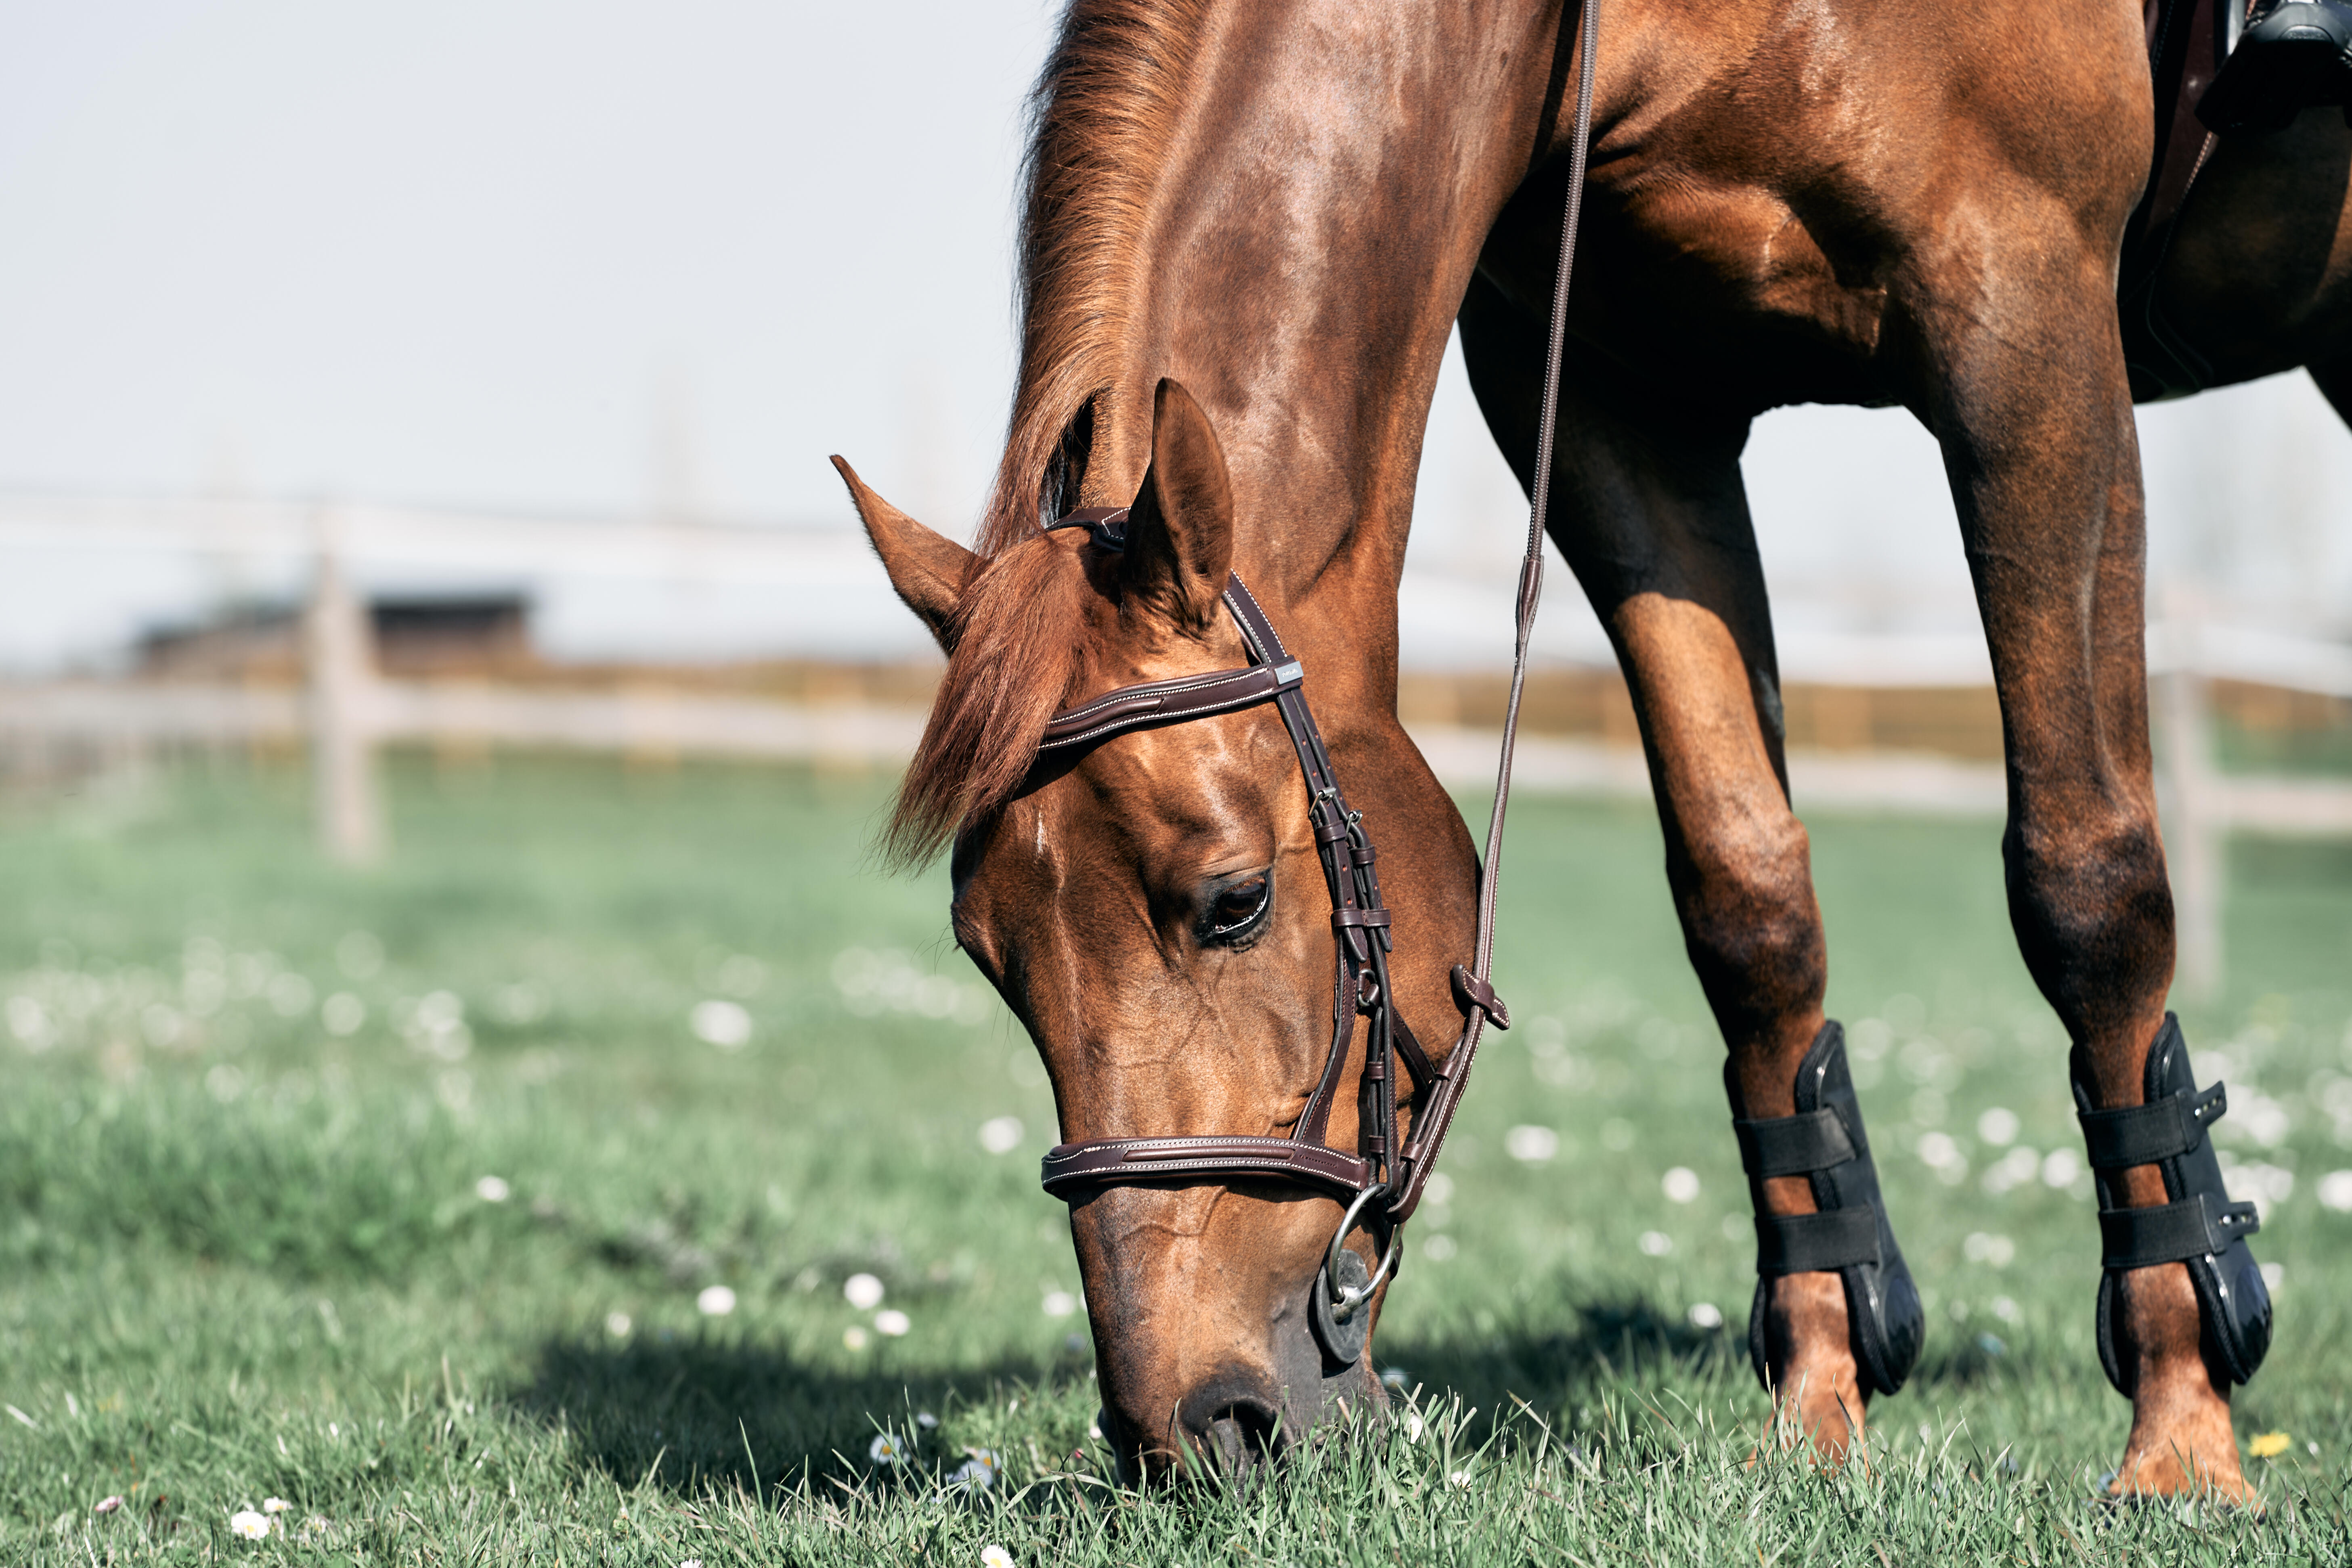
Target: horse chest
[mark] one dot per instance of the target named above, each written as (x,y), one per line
(1679,277)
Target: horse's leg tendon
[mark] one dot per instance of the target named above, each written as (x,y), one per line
(2023,383)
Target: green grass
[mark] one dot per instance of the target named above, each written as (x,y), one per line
(242,1257)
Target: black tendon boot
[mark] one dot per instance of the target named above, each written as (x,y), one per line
(2295,55)
(2199,1226)
(1850,1235)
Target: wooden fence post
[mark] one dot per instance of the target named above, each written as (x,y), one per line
(339,660)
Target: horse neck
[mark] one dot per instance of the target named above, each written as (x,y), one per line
(1329,176)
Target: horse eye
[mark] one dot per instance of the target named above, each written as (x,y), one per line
(1236,908)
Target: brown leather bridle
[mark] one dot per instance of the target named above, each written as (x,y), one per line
(1382,1168)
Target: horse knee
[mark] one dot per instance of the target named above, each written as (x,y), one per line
(2092,912)
(1750,921)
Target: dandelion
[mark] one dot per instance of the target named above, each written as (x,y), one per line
(716,1301)
(618,1324)
(1001,1134)
(1060,1303)
(1998,1126)
(275,1505)
(493,1190)
(252,1526)
(1531,1145)
(1681,1184)
(887,1448)
(862,1291)
(854,1337)
(1395,1378)
(1941,1151)
(1706,1315)
(1981,1247)
(891,1322)
(977,1473)
(721,1023)
(107,1505)
(290,995)
(2269,1446)
(2336,1190)
(993,1556)
(1657,1243)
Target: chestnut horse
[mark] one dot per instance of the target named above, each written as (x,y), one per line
(1250,228)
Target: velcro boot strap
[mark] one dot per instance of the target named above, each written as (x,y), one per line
(1803,1243)
(2195,1226)
(2163,1129)
(1793,1145)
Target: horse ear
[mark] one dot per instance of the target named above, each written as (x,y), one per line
(928,569)
(1179,534)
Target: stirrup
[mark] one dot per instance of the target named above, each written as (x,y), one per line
(2201,1226)
(2295,55)
(1849,1234)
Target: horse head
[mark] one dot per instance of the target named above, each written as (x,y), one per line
(1154,910)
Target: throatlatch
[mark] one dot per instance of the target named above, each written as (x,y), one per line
(1849,1234)
(2199,1226)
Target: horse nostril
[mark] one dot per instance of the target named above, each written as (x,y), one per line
(1241,1437)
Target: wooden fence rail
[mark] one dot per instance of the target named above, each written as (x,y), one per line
(348,710)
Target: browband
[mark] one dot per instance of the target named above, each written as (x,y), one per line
(1167,703)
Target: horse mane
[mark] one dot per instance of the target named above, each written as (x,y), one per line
(1016,653)
(1102,116)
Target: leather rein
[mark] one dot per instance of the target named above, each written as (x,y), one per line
(1383,1169)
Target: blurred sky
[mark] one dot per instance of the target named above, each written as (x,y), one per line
(610,259)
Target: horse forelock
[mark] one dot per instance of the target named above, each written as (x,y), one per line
(1017,652)
(1102,114)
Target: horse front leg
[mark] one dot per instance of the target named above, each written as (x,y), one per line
(1653,516)
(2027,394)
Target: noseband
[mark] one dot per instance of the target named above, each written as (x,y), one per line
(1382,1168)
